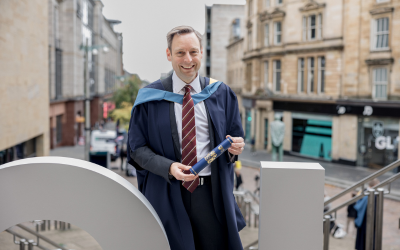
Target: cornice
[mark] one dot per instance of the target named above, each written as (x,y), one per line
(312,5)
(381,10)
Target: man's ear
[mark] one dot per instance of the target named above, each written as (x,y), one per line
(168,54)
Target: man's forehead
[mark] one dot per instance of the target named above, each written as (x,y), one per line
(185,41)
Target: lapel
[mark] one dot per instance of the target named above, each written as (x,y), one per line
(167,84)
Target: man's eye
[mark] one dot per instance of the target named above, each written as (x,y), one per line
(194,52)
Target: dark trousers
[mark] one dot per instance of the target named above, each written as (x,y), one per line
(208,232)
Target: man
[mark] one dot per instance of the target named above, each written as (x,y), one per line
(167,136)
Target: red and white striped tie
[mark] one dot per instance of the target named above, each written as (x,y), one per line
(189,152)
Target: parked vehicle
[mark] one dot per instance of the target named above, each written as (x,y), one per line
(104,140)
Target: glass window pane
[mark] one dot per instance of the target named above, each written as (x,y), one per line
(312,33)
(385,24)
(385,42)
(278,26)
(322,81)
(278,65)
(312,20)
(278,81)
(312,62)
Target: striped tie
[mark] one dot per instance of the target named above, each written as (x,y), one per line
(189,152)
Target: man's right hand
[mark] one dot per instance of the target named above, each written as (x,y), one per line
(176,169)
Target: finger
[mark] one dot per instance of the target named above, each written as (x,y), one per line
(238,145)
(184,167)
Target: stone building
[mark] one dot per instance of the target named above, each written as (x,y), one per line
(24,98)
(216,38)
(328,68)
(72,23)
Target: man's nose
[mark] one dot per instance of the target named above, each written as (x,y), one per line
(188,57)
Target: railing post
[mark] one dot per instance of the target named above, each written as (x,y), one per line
(369,236)
(379,219)
(248,211)
(43,225)
(22,243)
(30,244)
(327,227)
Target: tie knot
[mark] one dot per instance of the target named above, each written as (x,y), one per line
(188,88)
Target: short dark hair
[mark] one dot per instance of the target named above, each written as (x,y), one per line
(182,30)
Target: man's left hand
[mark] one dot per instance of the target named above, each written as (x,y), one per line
(237,145)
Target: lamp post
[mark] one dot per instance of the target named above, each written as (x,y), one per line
(86,48)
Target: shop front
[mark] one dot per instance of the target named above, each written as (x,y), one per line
(378,142)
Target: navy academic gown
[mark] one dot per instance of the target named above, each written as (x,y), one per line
(151,126)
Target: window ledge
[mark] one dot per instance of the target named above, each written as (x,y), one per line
(380,50)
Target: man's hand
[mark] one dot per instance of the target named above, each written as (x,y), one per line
(237,145)
(176,169)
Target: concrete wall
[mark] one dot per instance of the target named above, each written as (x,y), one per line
(24,91)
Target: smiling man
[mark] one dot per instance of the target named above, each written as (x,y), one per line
(170,131)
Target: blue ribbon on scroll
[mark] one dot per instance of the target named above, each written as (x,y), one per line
(210,157)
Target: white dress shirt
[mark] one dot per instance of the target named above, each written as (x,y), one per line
(201,121)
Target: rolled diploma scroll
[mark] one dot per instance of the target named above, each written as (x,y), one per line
(210,157)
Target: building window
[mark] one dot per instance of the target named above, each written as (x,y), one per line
(382,1)
(300,77)
(277,75)
(278,33)
(312,31)
(58,129)
(279,2)
(58,72)
(266,35)
(380,33)
(266,75)
(321,74)
(236,28)
(267,3)
(312,27)
(380,83)
(310,75)
(250,42)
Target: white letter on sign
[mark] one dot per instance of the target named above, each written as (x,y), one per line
(380,142)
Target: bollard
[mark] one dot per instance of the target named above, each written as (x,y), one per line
(22,244)
(48,225)
(327,227)
(369,236)
(55,224)
(256,220)
(43,225)
(69,226)
(248,212)
(30,244)
(379,219)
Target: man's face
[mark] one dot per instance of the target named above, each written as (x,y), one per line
(185,56)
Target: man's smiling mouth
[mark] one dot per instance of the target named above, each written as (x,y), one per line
(188,67)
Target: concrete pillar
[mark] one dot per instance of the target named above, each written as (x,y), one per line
(335,137)
(287,141)
(291,206)
(43,144)
(259,134)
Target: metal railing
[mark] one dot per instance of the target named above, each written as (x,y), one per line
(375,209)
(26,244)
(248,203)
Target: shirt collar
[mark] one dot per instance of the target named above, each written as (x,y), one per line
(178,84)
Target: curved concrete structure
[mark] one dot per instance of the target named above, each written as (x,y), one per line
(89,196)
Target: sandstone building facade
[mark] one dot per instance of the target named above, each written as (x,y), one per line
(330,70)
(24,98)
(71,23)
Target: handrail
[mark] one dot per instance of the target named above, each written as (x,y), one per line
(378,173)
(22,237)
(360,196)
(41,237)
